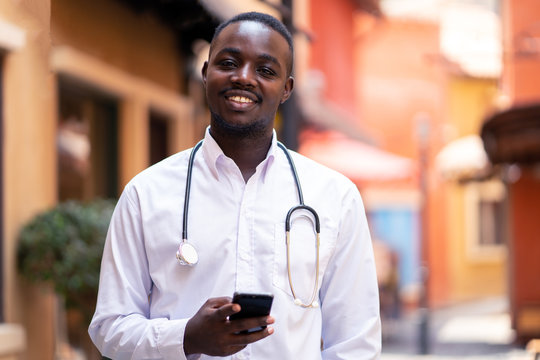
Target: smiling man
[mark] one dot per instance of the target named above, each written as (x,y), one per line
(249,231)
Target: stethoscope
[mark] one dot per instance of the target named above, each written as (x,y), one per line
(187,254)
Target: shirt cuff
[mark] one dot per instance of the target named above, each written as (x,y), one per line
(171,340)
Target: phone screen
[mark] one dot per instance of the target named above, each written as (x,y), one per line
(252,305)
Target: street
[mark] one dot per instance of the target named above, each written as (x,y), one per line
(476,330)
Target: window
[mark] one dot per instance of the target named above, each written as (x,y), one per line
(491,216)
(485,207)
(87,143)
(159,137)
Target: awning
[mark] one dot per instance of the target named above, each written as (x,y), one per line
(463,158)
(354,159)
(513,136)
(319,111)
(225,9)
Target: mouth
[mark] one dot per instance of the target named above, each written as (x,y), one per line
(241,96)
(240,99)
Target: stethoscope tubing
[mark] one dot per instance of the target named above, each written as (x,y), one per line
(188,189)
(301,206)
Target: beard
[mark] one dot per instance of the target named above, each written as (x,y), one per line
(253,130)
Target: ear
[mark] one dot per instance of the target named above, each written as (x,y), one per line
(287,89)
(203,72)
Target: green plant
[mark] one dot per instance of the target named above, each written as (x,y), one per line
(63,246)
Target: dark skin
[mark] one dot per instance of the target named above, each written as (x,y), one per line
(246,77)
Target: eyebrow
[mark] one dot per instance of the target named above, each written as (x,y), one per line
(232,50)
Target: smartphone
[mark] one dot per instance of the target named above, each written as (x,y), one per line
(252,305)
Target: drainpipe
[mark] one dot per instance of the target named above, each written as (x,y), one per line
(289,110)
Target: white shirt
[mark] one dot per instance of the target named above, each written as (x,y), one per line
(146,297)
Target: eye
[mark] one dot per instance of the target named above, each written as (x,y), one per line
(227,63)
(266,72)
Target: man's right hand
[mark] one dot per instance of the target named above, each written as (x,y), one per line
(210,332)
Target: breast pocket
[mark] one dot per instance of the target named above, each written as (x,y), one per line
(303,256)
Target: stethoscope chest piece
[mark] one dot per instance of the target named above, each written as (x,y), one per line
(187,254)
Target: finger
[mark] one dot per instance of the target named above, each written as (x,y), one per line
(245,339)
(239,325)
(218,302)
(227,310)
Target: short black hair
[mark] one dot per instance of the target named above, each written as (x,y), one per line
(264,19)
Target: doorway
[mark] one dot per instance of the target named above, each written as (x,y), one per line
(87,142)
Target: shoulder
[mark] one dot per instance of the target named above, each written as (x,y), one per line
(163,174)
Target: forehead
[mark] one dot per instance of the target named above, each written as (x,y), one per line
(252,36)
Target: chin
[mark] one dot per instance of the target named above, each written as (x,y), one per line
(253,129)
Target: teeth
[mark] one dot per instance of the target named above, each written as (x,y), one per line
(241,99)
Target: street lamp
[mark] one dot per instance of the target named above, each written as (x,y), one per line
(422,121)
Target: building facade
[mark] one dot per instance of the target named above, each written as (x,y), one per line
(91,93)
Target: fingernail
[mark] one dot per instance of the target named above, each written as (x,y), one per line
(270,320)
(270,330)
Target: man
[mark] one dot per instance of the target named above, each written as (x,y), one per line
(152,307)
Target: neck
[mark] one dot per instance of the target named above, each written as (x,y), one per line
(246,152)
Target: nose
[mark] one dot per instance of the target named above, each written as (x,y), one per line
(244,76)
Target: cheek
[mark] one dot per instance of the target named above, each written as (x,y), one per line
(277,96)
(211,87)
(273,101)
(212,80)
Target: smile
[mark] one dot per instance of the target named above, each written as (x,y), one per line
(241,99)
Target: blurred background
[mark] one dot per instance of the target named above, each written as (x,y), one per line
(432,107)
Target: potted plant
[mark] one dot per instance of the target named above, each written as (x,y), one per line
(63,246)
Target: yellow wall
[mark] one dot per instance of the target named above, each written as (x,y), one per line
(468,100)
(114,34)
(29,163)
(132,57)
(103,44)
(472,277)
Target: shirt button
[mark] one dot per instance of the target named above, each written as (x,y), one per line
(244,256)
(240,356)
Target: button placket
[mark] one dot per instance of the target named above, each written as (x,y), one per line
(244,264)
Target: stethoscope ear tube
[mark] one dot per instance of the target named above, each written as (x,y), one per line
(295,174)
(302,207)
(312,303)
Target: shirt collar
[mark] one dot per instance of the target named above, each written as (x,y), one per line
(213,154)
(270,157)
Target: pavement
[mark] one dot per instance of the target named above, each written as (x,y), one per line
(477,330)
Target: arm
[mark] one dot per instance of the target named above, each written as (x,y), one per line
(349,292)
(121,328)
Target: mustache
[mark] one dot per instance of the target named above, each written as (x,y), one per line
(224,91)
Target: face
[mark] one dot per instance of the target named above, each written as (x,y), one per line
(246,77)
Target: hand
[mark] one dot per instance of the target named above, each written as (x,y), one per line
(210,332)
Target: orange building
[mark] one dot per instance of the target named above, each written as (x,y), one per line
(512,139)
(389,84)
